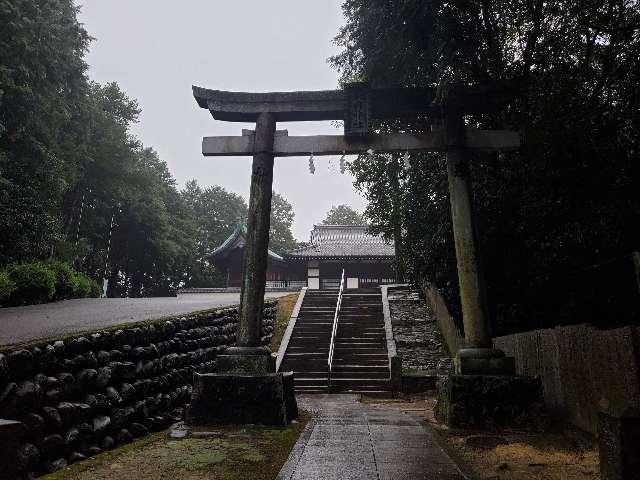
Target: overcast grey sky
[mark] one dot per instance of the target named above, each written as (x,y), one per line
(157,49)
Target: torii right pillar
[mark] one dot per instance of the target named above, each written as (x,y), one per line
(483,390)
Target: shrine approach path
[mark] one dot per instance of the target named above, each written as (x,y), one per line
(349,440)
(22,324)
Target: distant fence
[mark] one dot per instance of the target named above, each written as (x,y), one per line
(582,369)
(449,330)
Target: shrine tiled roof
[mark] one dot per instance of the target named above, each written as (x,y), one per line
(237,240)
(343,241)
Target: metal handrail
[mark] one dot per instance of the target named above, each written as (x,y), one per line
(335,323)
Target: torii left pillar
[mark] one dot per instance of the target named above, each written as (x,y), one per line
(246,387)
(249,356)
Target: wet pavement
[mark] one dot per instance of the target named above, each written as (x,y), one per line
(348,440)
(21,324)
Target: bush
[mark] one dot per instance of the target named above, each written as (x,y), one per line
(67,281)
(87,287)
(34,282)
(7,287)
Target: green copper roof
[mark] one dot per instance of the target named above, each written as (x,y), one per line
(240,231)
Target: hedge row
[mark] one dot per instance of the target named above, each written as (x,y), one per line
(41,282)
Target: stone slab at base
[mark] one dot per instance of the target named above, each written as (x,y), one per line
(479,401)
(483,361)
(246,361)
(227,398)
(11,434)
(419,382)
(619,442)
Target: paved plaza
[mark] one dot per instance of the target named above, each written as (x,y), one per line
(348,440)
(21,324)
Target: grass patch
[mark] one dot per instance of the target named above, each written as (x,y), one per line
(285,307)
(238,452)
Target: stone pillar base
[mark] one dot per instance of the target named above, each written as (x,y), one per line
(480,401)
(619,438)
(246,361)
(232,398)
(483,361)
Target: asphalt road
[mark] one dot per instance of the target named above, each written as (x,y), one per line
(21,324)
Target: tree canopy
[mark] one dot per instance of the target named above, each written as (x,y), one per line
(76,185)
(556,220)
(343,215)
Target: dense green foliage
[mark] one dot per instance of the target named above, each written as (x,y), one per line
(557,220)
(35,283)
(40,282)
(7,287)
(77,187)
(343,215)
(280,237)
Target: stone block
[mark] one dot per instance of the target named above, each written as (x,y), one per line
(418,382)
(11,435)
(619,442)
(483,361)
(241,399)
(246,361)
(472,401)
(290,395)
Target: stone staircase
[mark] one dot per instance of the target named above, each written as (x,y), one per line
(360,361)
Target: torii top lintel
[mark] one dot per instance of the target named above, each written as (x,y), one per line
(356,104)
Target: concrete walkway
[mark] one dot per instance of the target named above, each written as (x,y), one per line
(348,440)
(21,324)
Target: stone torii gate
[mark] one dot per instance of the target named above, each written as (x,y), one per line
(356,105)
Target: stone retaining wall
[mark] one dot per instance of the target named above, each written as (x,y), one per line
(453,337)
(583,369)
(79,396)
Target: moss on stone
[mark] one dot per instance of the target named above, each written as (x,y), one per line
(285,308)
(236,453)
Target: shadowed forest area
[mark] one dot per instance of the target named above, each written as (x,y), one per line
(557,221)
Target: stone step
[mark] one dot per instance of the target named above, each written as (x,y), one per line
(305,356)
(311,374)
(299,381)
(319,389)
(367,392)
(304,367)
(360,368)
(341,350)
(363,359)
(378,384)
(382,375)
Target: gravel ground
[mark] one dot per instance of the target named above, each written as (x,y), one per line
(21,324)
(416,332)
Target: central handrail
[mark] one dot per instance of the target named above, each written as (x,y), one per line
(335,323)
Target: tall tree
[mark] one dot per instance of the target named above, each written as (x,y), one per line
(343,215)
(380,179)
(42,90)
(555,207)
(280,236)
(216,213)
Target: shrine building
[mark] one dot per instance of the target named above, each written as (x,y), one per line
(228,258)
(367,260)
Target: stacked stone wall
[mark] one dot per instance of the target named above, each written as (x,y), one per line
(583,370)
(453,337)
(77,397)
